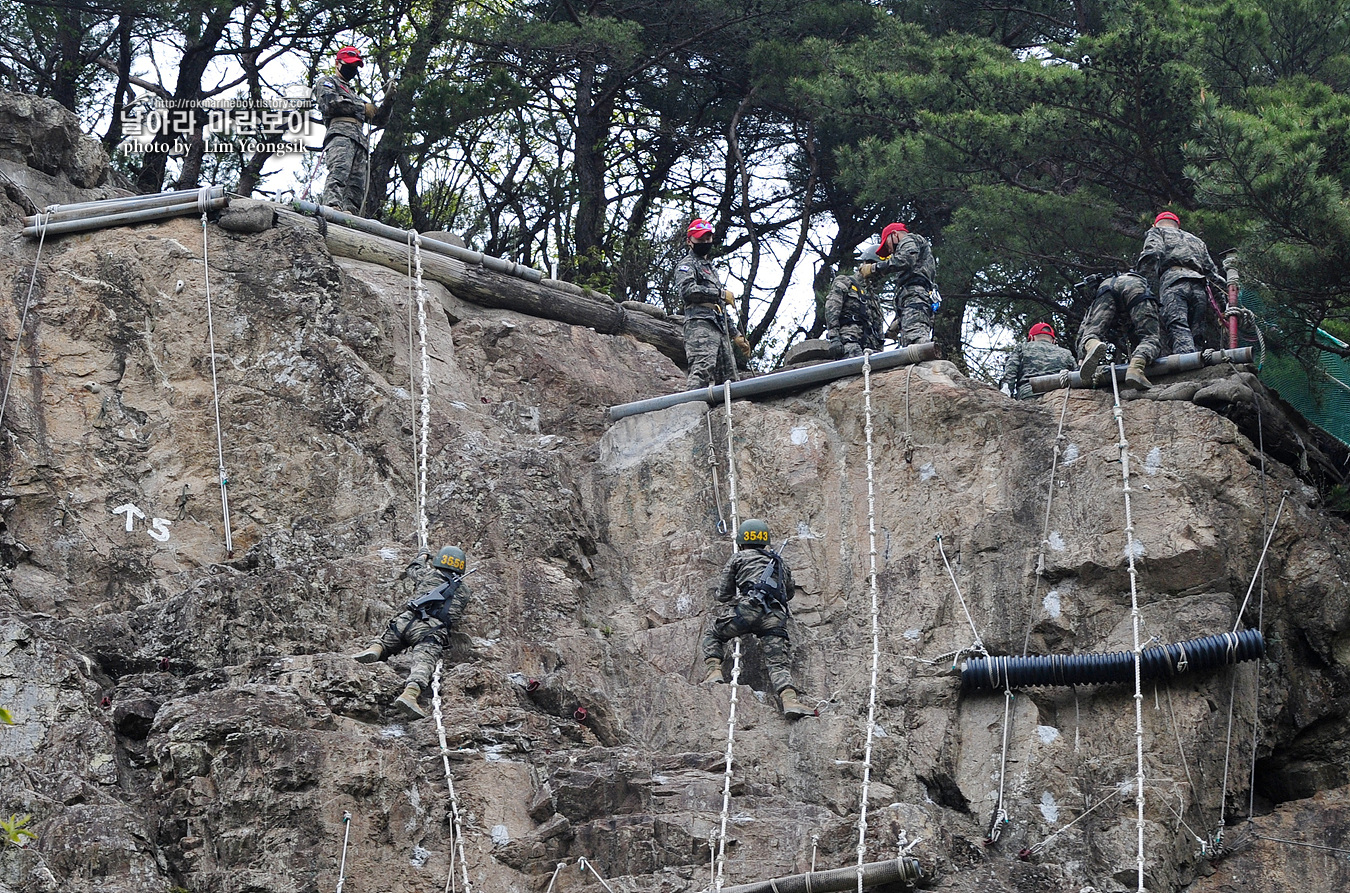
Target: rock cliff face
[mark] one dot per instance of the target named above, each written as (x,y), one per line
(188,720)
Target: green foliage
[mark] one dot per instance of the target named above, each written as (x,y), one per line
(6,717)
(14,830)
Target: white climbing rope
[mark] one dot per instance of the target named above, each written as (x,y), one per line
(449,782)
(583,863)
(1232,691)
(426,395)
(1261,606)
(712,465)
(978,646)
(412,380)
(1260,562)
(203,197)
(1001,811)
(1124,446)
(735,663)
(346,831)
(876,621)
(43,219)
(1040,847)
(561,866)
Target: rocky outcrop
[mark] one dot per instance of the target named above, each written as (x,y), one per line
(186,718)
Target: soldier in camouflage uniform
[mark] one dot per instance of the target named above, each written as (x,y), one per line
(345,115)
(440,596)
(909,256)
(853,315)
(1125,297)
(1179,264)
(709,331)
(753,597)
(1038,355)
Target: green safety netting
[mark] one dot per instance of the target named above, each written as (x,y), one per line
(1320,391)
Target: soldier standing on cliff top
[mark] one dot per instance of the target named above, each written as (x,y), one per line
(345,115)
(710,336)
(440,596)
(1180,264)
(853,314)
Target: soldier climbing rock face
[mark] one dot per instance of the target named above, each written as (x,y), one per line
(439,599)
(1178,264)
(1124,297)
(345,115)
(752,598)
(1038,355)
(709,330)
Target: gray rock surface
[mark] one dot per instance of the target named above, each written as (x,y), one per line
(189,719)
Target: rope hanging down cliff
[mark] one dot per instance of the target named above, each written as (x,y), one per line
(876,623)
(1124,446)
(1000,817)
(43,220)
(458,849)
(203,198)
(735,664)
(425,402)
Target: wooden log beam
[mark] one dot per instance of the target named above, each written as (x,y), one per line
(486,288)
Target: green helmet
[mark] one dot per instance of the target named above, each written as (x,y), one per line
(451,559)
(753,532)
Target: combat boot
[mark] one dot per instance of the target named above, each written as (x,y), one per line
(1135,377)
(792,707)
(714,674)
(407,702)
(371,655)
(1093,353)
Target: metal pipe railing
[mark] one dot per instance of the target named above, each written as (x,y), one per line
(104,207)
(874,874)
(1168,365)
(781,381)
(121,218)
(403,236)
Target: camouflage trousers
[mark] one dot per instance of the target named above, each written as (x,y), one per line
(345,188)
(708,350)
(1185,317)
(427,638)
(916,316)
(851,341)
(1141,319)
(746,618)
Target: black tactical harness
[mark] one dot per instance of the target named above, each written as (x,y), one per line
(432,605)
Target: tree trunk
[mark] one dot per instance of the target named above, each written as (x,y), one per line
(114,134)
(594,108)
(188,91)
(394,140)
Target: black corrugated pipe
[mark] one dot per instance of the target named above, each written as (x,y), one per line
(837,880)
(1206,653)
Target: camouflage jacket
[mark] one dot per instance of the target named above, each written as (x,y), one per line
(426,579)
(743,570)
(852,302)
(336,99)
(1032,358)
(699,288)
(1171,255)
(913,261)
